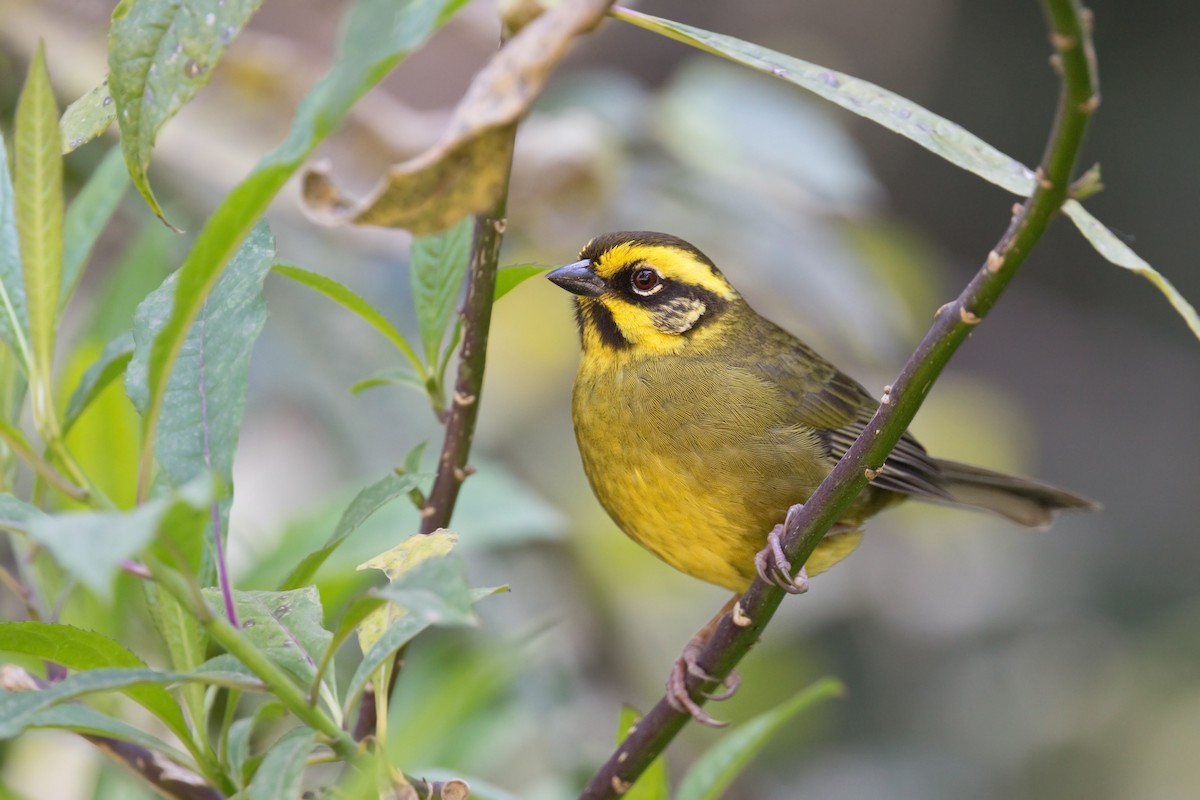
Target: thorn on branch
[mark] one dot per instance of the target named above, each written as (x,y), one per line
(994,262)
(1062,41)
(968,317)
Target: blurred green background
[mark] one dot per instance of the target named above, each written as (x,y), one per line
(981,661)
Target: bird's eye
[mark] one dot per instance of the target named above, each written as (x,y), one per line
(646,281)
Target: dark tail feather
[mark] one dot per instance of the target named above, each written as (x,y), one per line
(1022,500)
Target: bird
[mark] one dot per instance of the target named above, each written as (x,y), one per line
(701,425)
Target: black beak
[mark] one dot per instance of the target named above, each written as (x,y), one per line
(578,278)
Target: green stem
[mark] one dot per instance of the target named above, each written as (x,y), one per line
(1070,36)
(285,690)
(20,446)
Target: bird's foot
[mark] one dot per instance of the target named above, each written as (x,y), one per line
(773,566)
(677,691)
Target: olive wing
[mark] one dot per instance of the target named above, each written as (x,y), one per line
(824,398)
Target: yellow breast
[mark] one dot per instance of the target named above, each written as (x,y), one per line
(696,462)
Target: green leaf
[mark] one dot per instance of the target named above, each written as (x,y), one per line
(280,773)
(87,118)
(88,721)
(40,227)
(436,270)
(78,649)
(398,634)
(434,590)
(108,367)
(366,503)
(202,410)
(377,36)
(716,769)
(88,215)
(1119,253)
(14,317)
(18,710)
(284,625)
(91,545)
(159,55)
(348,299)
(900,115)
(17,511)
(512,276)
(653,783)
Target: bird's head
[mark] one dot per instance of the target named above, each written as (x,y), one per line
(645,293)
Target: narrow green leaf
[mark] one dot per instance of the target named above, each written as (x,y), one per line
(87,118)
(185,641)
(348,299)
(512,276)
(17,511)
(88,721)
(716,769)
(88,215)
(378,35)
(18,710)
(365,503)
(14,317)
(91,545)
(654,784)
(159,55)
(391,376)
(78,649)
(280,773)
(1119,253)
(237,744)
(108,367)
(201,412)
(932,132)
(287,626)
(398,634)
(436,270)
(40,226)
(359,609)
(896,113)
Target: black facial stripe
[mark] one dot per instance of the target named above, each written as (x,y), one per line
(592,312)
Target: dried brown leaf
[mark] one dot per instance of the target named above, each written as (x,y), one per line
(465,172)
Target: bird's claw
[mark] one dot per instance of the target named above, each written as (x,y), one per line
(773,566)
(677,691)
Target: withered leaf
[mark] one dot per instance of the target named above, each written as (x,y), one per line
(466,171)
